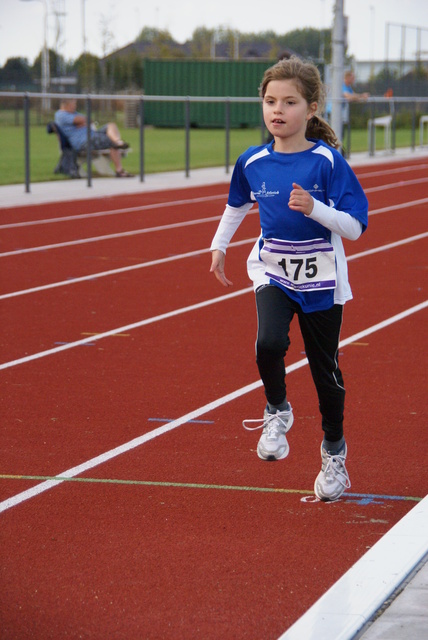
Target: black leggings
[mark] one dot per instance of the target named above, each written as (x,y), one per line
(320,331)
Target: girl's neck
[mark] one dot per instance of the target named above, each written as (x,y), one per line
(284,145)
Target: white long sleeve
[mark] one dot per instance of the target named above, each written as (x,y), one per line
(230,221)
(340,222)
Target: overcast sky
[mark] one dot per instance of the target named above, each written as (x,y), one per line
(21,23)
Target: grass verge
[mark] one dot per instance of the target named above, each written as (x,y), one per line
(164,150)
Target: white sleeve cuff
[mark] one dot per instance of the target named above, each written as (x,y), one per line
(230,221)
(337,221)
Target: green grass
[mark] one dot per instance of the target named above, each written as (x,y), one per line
(164,149)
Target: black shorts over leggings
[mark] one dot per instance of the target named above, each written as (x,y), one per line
(321,333)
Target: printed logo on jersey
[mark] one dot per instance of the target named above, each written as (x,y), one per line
(315,189)
(264,193)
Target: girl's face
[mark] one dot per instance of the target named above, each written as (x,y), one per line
(286,112)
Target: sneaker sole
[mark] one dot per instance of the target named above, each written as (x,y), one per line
(325,499)
(270,457)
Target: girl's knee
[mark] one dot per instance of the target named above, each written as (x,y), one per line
(272,346)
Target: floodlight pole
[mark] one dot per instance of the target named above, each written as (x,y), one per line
(83,25)
(338,56)
(45,57)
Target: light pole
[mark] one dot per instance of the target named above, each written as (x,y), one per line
(338,55)
(83,26)
(45,55)
(372,39)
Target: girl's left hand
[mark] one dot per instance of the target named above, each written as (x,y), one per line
(301,200)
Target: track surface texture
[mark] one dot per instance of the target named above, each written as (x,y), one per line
(133,504)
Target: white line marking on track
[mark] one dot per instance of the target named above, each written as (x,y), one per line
(386,247)
(181,256)
(102,274)
(124,329)
(114,212)
(396,207)
(390,170)
(192,415)
(176,312)
(122,234)
(176,225)
(160,205)
(397,185)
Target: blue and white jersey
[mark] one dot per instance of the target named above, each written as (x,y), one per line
(264,176)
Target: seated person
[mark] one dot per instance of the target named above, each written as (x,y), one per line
(350,95)
(74,127)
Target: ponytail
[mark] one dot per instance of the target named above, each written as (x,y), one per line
(319,129)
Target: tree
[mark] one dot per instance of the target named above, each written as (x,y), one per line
(125,72)
(200,45)
(309,43)
(88,72)
(160,43)
(57,64)
(16,72)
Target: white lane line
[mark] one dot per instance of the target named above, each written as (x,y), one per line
(114,212)
(397,207)
(122,234)
(386,247)
(181,256)
(397,185)
(124,329)
(176,225)
(389,171)
(189,201)
(176,312)
(111,272)
(136,442)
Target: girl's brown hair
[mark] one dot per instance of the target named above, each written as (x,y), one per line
(309,83)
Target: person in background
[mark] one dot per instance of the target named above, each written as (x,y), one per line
(350,95)
(308,199)
(75,127)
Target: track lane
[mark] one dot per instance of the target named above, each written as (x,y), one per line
(136,296)
(27,270)
(97,204)
(166,544)
(230,551)
(148,345)
(154,215)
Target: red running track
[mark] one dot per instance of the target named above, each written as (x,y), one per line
(113,331)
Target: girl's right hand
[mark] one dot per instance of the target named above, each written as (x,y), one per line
(217,267)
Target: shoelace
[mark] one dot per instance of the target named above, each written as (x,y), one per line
(271,423)
(336,467)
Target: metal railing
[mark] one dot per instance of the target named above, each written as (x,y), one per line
(142,100)
(393,105)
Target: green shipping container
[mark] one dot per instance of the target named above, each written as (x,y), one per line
(211,78)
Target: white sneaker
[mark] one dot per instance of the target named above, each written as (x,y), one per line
(333,478)
(273,444)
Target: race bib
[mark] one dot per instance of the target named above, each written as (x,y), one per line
(307,265)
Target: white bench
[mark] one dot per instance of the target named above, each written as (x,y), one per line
(386,123)
(100,162)
(422,121)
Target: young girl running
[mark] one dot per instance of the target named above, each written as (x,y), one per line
(308,199)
